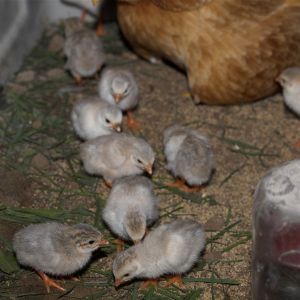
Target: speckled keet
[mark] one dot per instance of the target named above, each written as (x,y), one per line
(56,249)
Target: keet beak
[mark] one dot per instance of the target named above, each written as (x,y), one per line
(117,97)
(116,127)
(118,282)
(95,2)
(103,242)
(148,169)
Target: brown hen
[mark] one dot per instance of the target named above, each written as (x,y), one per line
(232,50)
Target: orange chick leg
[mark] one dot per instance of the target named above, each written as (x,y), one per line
(50,282)
(131,122)
(147,283)
(182,186)
(297,144)
(120,245)
(83,16)
(176,279)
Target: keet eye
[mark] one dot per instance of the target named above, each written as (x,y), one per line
(107,121)
(91,242)
(126,275)
(139,161)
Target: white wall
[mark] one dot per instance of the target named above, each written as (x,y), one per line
(55,10)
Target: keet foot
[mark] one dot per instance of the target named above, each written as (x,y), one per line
(50,282)
(150,282)
(296,145)
(182,186)
(132,123)
(176,279)
(100,31)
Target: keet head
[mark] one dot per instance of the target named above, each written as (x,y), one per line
(122,85)
(126,266)
(290,79)
(111,118)
(143,156)
(87,238)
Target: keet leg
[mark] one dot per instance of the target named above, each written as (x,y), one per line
(120,245)
(297,145)
(150,282)
(78,80)
(49,282)
(131,122)
(176,279)
(100,31)
(181,185)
